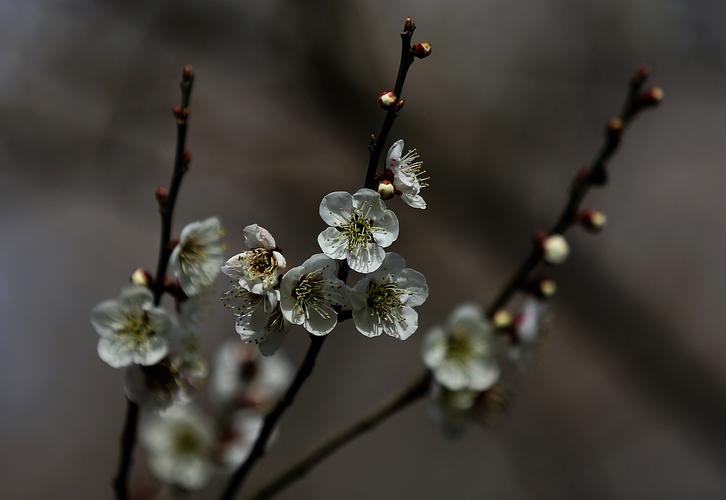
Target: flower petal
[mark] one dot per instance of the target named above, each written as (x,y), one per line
(483,373)
(367,258)
(106,316)
(369,204)
(415,285)
(336,207)
(258,237)
(385,231)
(366,323)
(393,159)
(321,322)
(414,201)
(333,243)
(404,328)
(451,375)
(433,349)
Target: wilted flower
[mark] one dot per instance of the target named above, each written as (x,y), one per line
(132,329)
(461,355)
(180,443)
(259,318)
(243,379)
(361,227)
(310,294)
(383,301)
(238,439)
(258,268)
(409,177)
(197,258)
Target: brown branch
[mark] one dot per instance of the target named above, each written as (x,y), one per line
(316,342)
(167,201)
(595,175)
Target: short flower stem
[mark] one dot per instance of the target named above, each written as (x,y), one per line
(415,391)
(240,474)
(595,175)
(167,201)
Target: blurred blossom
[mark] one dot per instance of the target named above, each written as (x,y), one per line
(529,327)
(462,353)
(259,319)
(360,228)
(179,443)
(383,301)
(238,439)
(409,177)
(197,258)
(311,293)
(243,379)
(132,329)
(454,409)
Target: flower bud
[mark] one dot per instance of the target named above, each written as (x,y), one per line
(387,100)
(615,127)
(547,288)
(162,196)
(652,97)
(140,277)
(502,320)
(592,220)
(386,190)
(422,49)
(555,249)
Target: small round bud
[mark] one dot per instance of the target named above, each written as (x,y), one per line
(387,100)
(555,249)
(422,49)
(547,288)
(140,277)
(502,320)
(162,196)
(187,72)
(615,126)
(592,220)
(386,190)
(653,96)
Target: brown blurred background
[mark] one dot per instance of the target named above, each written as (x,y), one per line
(626,400)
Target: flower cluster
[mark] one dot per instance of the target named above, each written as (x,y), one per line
(158,347)
(187,445)
(267,298)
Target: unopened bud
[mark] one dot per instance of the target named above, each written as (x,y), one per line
(541,288)
(640,76)
(547,288)
(555,249)
(502,320)
(387,100)
(615,127)
(652,97)
(162,196)
(187,72)
(408,24)
(422,49)
(140,277)
(386,189)
(592,220)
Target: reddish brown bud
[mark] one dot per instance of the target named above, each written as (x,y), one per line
(640,76)
(652,97)
(187,72)
(615,127)
(387,100)
(162,196)
(421,50)
(408,25)
(187,157)
(592,220)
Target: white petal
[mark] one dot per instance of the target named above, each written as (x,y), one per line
(451,375)
(393,159)
(321,262)
(151,352)
(468,316)
(333,243)
(114,352)
(135,297)
(336,207)
(393,264)
(483,373)
(415,284)
(280,259)
(386,230)
(234,267)
(321,324)
(106,316)
(258,237)
(272,342)
(369,204)
(366,323)
(403,329)
(415,201)
(433,349)
(367,258)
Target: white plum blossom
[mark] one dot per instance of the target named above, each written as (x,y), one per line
(361,227)
(132,329)
(462,354)
(259,267)
(180,443)
(311,293)
(244,379)
(409,177)
(239,439)
(197,258)
(383,301)
(259,318)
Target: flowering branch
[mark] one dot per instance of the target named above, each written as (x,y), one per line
(167,200)
(596,175)
(392,103)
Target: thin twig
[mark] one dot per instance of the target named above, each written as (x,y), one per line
(167,201)
(384,410)
(316,342)
(595,175)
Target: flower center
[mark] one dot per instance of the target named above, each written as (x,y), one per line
(192,253)
(384,299)
(459,347)
(186,442)
(136,327)
(309,295)
(358,231)
(260,262)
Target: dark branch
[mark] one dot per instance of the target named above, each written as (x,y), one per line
(167,201)
(316,342)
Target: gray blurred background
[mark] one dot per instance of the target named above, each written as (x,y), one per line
(626,400)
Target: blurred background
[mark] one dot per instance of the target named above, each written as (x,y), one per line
(625,401)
